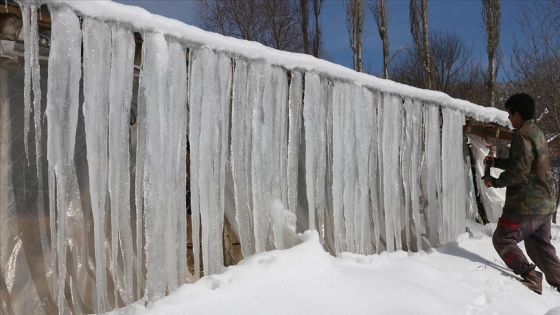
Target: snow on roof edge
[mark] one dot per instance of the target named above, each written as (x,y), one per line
(144,21)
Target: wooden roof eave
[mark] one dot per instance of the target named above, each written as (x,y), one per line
(487,130)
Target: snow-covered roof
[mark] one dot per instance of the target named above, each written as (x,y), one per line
(143,21)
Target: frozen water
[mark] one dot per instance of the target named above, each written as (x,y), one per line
(369,164)
(62,114)
(120,96)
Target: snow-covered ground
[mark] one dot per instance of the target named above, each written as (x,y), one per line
(463,277)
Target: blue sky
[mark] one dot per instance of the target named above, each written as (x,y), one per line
(460,16)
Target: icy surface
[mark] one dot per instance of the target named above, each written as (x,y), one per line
(120,96)
(97,67)
(62,114)
(141,19)
(367,163)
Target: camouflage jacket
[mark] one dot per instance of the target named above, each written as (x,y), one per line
(527,174)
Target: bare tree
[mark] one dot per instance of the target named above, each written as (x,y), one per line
(304,21)
(274,23)
(379,10)
(317,34)
(450,57)
(453,71)
(355,23)
(419,30)
(536,62)
(491,16)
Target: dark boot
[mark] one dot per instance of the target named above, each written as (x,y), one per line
(533,280)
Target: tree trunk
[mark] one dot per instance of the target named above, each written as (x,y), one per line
(419,30)
(304,8)
(491,16)
(355,25)
(427,60)
(317,35)
(379,10)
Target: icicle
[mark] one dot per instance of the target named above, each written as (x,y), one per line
(214,139)
(120,96)
(37,111)
(62,114)
(259,98)
(349,165)
(282,131)
(25,17)
(177,172)
(97,61)
(240,153)
(139,178)
(406,158)
(195,108)
(209,140)
(415,111)
(313,137)
(391,170)
(154,83)
(322,171)
(278,158)
(364,125)
(328,94)
(374,170)
(433,173)
(453,183)
(295,118)
(338,167)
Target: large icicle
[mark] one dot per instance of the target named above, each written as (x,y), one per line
(209,139)
(349,165)
(139,180)
(32,84)
(62,115)
(323,182)
(405,161)
(453,177)
(392,186)
(313,121)
(177,153)
(364,125)
(433,173)
(375,171)
(97,62)
(414,125)
(214,132)
(339,228)
(195,109)
(120,96)
(27,44)
(295,118)
(260,104)
(154,85)
(278,159)
(240,153)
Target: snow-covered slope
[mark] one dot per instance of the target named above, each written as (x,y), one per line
(465,276)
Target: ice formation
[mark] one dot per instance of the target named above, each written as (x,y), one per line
(368,163)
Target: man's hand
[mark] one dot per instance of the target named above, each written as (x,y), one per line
(489,181)
(489,159)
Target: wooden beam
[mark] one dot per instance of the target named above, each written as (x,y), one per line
(487,130)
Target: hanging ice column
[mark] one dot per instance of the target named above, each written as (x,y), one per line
(209,100)
(120,98)
(161,162)
(97,65)
(62,115)
(454,190)
(370,169)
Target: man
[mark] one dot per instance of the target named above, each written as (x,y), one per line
(529,204)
